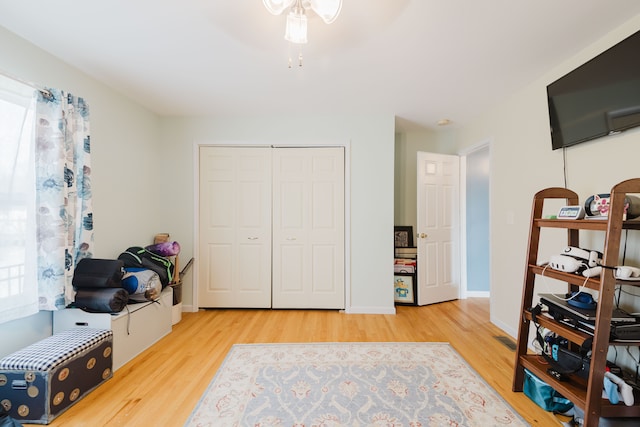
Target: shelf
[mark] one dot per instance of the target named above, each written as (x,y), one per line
(571,278)
(583,392)
(575,279)
(583,224)
(575,387)
(572,334)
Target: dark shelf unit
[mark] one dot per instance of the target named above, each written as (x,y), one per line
(412,277)
(586,394)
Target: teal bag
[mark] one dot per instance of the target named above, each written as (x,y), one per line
(544,395)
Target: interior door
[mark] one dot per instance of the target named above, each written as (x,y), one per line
(308,228)
(438,227)
(234,227)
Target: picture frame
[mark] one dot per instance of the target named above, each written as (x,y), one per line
(404,289)
(403,236)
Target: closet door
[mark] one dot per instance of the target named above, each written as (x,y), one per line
(308,228)
(235,227)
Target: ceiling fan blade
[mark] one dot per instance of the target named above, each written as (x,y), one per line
(276,7)
(328,10)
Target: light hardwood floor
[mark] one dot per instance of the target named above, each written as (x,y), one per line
(161,386)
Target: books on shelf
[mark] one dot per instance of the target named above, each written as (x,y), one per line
(411,252)
(404,265)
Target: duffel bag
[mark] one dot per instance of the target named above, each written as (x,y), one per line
(98,273)
(105,300)
(139,257)
(544,395)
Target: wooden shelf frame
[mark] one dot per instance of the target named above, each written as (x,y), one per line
(584,394)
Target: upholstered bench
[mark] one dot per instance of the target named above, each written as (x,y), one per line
(39,382)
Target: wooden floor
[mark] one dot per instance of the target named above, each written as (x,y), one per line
(161,386)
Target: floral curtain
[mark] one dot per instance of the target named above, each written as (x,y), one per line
(63,194)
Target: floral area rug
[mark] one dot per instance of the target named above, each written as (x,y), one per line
(349,384)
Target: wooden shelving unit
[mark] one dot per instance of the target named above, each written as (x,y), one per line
(586,394)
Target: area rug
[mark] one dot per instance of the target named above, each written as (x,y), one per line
(349,384)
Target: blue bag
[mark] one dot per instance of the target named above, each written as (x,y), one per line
(544,395)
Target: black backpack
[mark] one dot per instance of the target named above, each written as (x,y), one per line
(139,257)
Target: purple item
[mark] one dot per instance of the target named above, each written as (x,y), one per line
(165,248)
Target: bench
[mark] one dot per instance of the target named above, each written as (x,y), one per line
(135,328)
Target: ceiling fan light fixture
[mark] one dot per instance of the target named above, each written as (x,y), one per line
(296,30)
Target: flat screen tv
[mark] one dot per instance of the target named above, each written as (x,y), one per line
(599,98)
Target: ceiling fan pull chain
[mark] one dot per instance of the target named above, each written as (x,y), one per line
(290,61)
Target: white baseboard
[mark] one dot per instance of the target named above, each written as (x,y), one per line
(509,330)
(478,294)
(189,309)
(370,310)
(351,310)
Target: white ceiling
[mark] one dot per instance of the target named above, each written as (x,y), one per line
(422,60)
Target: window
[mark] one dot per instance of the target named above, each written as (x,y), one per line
(18,286)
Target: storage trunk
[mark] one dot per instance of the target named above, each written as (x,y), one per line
(42,380)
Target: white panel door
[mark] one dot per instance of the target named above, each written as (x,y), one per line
(308,228)
(438,228)
(234,268)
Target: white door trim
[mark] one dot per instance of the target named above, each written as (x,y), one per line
(347,204)
(463,226)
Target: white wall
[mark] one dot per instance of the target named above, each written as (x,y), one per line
(523,163)
(126,166)
(143,177)
(371,141)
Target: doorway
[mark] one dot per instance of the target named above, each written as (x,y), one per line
(475,223)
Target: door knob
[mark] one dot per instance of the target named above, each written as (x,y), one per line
(423,235)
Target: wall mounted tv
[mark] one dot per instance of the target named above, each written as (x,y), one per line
(599,98)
